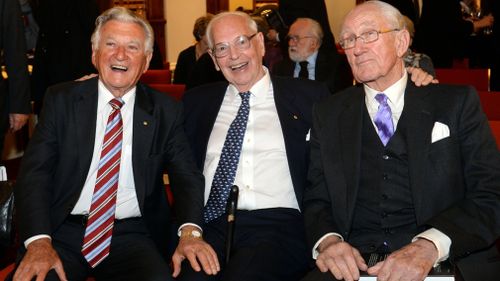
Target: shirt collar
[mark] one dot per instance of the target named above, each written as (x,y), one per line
(259,90)
(395,93)
(105,96)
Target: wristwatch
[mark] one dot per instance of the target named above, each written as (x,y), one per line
(193,233)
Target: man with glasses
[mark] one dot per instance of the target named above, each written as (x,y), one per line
(398,170)
(308,60)
(252,131)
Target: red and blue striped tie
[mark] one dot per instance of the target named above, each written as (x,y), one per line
(97,239)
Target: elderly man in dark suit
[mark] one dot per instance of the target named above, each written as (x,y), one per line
(252,132)
(308,58)
(414,172)
(14,97)
(90,196)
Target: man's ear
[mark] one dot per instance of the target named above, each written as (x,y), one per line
(402,42)
(216,63)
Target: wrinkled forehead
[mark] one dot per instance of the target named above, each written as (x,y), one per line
(361,20)
(228,28)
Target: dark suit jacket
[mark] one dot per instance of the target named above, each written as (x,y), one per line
(455,182)
(56,163)
(16,97)
(294,100)
(331,68)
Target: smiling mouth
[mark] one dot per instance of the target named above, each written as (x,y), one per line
(119,68)
(239,66)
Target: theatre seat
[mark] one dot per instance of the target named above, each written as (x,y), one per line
(490,102)
(495,129)
(462,76)
(156,76)
(174,90)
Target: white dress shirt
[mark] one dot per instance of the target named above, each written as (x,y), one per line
(395,99)
(263,175)
(311,67)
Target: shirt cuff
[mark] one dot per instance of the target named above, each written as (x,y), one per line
(440,240)
(315,251)
(188,224)
(36,237)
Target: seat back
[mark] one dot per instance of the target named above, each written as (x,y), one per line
(478,78)
(156,76)
(490,102)
(174,90)
(495,129)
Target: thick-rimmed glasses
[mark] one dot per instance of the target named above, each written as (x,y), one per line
(241,43)
(366,37)
(296,39)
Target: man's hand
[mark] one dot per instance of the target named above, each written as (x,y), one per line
(420,77)
(17,121)
(412,262)
(38,261)
(87,77)
(196,251)
(340,258)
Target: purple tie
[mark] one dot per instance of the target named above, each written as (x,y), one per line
(383,119)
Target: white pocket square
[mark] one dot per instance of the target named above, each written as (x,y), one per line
(439,132)
(308,136)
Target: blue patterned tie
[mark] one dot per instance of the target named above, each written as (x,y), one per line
(228,163)
(383,119)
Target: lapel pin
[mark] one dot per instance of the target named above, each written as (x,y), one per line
(295,117)
(145,123)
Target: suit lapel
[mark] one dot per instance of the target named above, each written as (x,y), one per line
(143,133)
(350,124)
(419,122)
(85,110)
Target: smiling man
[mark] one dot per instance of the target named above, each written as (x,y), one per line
(252,131)
(90,197)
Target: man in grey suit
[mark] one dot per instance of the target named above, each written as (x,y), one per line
(413,172)
(90,195)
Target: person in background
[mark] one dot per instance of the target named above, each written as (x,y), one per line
(413,59)
(412,172)
(62,50)
(14,95)
(90,199)
(306,59)
(188,57)
(251,131)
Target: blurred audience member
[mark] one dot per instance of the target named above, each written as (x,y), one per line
(14,97)
(273,51)
(63,50)
(188,57)
(413,59)
(306,58)
(442,31)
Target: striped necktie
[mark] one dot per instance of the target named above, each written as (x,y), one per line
(97,239)
(383,119)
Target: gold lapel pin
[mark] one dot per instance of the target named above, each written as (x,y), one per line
(145,123)
(295,117)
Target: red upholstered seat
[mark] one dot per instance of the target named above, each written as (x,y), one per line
(490,102)
(157,76)
(478,78)
(174,90)
(495,129)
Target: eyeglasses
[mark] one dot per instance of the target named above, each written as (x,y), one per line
(241,43)
(366,37)
(296,39)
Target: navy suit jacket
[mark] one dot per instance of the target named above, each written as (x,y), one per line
(56,163)
(455,181)
(294,99)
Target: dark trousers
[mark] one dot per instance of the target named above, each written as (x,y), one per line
(133,255)
(268,245)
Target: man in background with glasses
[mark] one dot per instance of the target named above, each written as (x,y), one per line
(252,131)
(309,60)
(412,173)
